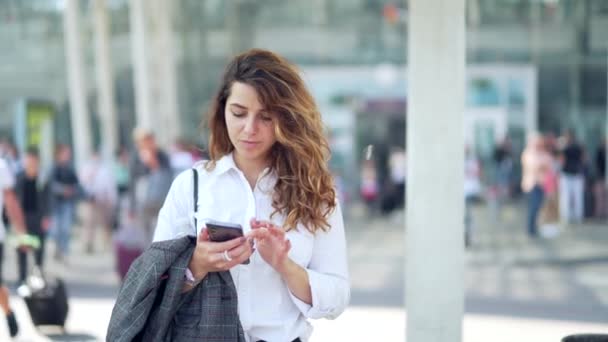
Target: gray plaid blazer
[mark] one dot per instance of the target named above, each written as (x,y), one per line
(151,307)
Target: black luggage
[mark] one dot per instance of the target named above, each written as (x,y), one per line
(46,300)
(48,305)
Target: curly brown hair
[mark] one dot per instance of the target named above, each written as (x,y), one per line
(304,191)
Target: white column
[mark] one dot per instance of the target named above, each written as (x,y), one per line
(435,143)
(166,84)
(105,80)
(139,53)
(575,72)
(532,103)
(535,51)
(81,128)
(154,67)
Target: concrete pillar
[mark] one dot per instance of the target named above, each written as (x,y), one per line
(531,123)
(105,80)
(532,103)
(139,53)
(164,72)
(575,69)
(155,68)
(536,9)
(81,127)
(435,143)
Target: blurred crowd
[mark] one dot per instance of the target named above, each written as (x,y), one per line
(563,182)
(115,201)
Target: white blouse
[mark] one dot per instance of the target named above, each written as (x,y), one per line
(267,308)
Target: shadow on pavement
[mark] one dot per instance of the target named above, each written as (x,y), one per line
(81,289)
(72,337)
(388,298)
(542,310)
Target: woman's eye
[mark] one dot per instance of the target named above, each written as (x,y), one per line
(266,118)
(237,114)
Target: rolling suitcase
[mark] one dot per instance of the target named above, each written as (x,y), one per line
(46,299)
(125,256)
(129,243)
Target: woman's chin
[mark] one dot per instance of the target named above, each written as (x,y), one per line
(252,155)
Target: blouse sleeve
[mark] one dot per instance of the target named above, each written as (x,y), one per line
(328,272)
(176,216)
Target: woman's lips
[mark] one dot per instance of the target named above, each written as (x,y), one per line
(249,144)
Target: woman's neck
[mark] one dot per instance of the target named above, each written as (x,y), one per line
(250,168)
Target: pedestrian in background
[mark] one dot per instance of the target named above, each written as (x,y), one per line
(549,216)
(572,181)
(122,178)
(535,162)
(472,191)
(152,190)
(144,140)
(9,200)
(65,191)
(98,181)
(10,155)
(11,321)
(151,177)
(33,196)
(600,190)
(503,163)
(180,157)
(369,186)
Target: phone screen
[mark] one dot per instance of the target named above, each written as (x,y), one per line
(224,231)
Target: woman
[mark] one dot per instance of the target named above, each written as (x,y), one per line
(535,162)
(267,172)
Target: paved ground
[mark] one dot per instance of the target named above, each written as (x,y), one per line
(517,289)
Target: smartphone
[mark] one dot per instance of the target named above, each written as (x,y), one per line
(224,231)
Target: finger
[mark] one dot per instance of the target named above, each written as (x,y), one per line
(262,223)
(257,233)
(203,235)
(254,222)
(226,245)
(257,225)
(217,260)
(244,255)
(287,246)
(238,250)
(277,232)
(237,256)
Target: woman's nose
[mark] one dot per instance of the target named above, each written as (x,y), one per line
(250,125)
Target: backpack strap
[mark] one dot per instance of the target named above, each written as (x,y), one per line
(195,193)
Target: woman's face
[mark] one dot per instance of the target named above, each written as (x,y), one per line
(250,126)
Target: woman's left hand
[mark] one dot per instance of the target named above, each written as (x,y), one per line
(271,244)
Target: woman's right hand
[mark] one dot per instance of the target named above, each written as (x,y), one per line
(209,256)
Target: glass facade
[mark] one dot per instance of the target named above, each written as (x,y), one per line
(563,40)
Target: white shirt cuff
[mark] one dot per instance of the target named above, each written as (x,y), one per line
(329,297)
